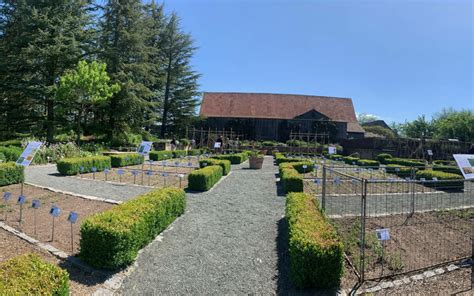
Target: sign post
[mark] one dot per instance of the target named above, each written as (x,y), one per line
(21,200)
(35,204)
(54,212)
(27,156)
(332,150)
(465,163)
(72,218)
(143,150)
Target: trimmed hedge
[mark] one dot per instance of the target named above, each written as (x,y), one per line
(290,179)
(350,159)
(179,153)
(16,143)
(194,152)
(444,162)
(447,169)
(10,173)
(335,156)
(11,153)
(281,158)
(225,164)
(383,156)
(400,171)
(367,163)
(452,181)
(112,239)
(298,166)
(28,274)
(236,158)
(203,179)
(121,160)
(72,166)
(160,155)
(405,162)
(315,249)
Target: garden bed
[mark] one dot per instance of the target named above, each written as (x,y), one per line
(62,231)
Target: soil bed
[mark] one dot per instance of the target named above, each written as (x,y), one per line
(62,228)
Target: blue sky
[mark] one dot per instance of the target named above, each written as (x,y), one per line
(395,59)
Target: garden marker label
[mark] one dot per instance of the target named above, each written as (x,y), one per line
(145,148)
(29,153)
(55,211)
(72,218)
(21,199)
(217,145)
(383,234)
(430,152)
(35,204)
(466,165)
(7,196)
(120,172)
(305,166)
(332,150)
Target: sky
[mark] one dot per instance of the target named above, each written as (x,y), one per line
(395,59)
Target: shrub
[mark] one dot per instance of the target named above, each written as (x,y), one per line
(179,153)
(447,169)
(236,158)
(299,166)
(160,155)
(290,179)
(28,274)
(383,156)
(443,162)
(406,162)
(203,179)
(281,158)
(225,164)
(335,156)
(269,143)
(315,249)
(367,163)
(194,152)
(451,181)
(2,157)
(350,159)
(10,173)
(72,166)
(112,239)
(16,142)
(11,153)
(121,160)
(400,171)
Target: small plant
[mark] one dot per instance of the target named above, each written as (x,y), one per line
(256,153)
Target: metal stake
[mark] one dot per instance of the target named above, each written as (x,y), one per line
(72,240)
(34,215)
(52,232)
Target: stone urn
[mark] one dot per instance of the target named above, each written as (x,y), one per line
(256,162)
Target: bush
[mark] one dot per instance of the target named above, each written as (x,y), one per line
(225,164)
(367,163)
(160,155)
(350,160)
(315,249)
(290,179)
(194,152)
(16,142)
(452,181)
(400,171)
(447,169)
(72,166)
(383,156)
(121,160)
(28,274)
(10,173)
(444,162)
(203,179)
(112,239)
(11,153)
(299,166)
(406,162)
(335,156)
(126,139)
(236,158)
(281,158)
(179,153)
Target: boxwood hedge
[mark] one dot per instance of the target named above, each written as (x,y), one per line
(10,173)
(161,155)
(72,166)
(400,171)
(225,164)
(281,158)
(290,178)
(350,159)
(203,179)
(121,160)
(194,152)
(383,156)
(28,274)
(446,181)
(112,239)
(11,153)
(367,163)
(447,169)
(236,158)
(315,249)
(179,153)
(406,162)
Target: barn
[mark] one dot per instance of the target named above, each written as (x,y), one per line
(266,116)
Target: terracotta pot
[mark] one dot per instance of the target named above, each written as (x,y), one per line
(256,162)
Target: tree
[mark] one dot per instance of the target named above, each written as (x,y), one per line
(180,88)
(39,41)
(84,87)
(379,130)
(419,128)
(451,124)
(364,118)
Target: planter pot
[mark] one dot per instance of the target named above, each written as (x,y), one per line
(256,162)
(263,151)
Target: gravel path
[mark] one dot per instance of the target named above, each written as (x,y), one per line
(231,240)
(48,176)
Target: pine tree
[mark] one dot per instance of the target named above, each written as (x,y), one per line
(39,41)
(180,89)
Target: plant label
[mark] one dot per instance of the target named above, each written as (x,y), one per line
(430,152)
(135,172)
(7,196)
(106,171)
(149,173)
(120,172)
(190,164)
(29,153)
(81,168)
(217,145)
(35,204)
(435,179)
(332,150)
(181,176)
(55,211)
(305,166)
(165,174)
(317,181)
(21,200)
(145,147)
(72,218)
(383,234)
(94,169)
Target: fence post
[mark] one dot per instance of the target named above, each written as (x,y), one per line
(323,193)
(412,187)
(363,208)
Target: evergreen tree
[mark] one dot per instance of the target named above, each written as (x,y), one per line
(180,88)
(39,41)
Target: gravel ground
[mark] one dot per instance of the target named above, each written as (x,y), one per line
(230,241)
(49,177)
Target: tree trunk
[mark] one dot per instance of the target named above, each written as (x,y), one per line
(78,126)
(50,120)
(165,103)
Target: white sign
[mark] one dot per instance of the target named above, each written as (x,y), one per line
(383,234)
(332,150)
(29,153)
(466,165)
(145,148)
(217,145)
(430,152)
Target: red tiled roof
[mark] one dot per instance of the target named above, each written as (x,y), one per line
(277,106)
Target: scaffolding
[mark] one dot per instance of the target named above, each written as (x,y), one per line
(315,143)
(205,138)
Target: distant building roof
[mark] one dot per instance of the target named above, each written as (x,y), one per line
(278,106)
(380,123)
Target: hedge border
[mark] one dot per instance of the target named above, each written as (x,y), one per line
(205,178)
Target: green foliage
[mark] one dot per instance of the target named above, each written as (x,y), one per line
(203,179)
(28,274)
(290,179)
(385,132)
(11,153)
(367,163)
(315,249)
(406,162)
(225,164)
(451,124)
(281,158)
(444,162)
(125,139)
(400,171)
(112,239)
(10,173)
(160,155)
(364,118)
(72,166)
(16,142)
(451,181)
(2,157)
(194,152)
(447,169)
(121,160)
(383,156)
(419,128)
(236,158)
(350,160)
(54,152)
(335,156)
(179,153)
